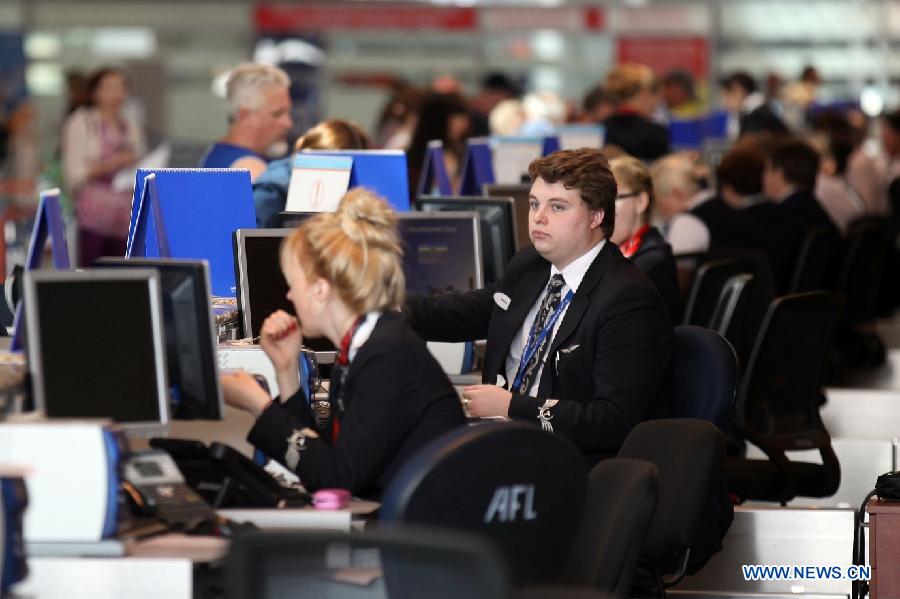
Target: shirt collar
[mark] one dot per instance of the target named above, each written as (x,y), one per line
(362,333)
(577,268)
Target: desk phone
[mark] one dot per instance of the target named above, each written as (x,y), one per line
(162,491)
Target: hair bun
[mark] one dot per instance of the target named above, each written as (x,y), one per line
(363,215)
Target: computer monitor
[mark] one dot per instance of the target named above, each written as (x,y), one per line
(498,227)
(521,194)
(96,347)
(191,353)
(441,251)
(262,288)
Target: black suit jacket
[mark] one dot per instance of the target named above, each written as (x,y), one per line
(786,224)
(397,399)
(762,118)
(654,259)
(638,136)
(603,365)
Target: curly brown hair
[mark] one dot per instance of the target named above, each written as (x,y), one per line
(586,170)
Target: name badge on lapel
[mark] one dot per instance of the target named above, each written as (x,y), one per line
(502,300)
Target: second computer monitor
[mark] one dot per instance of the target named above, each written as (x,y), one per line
(441,251)
(498,227)
(262,288)
(521,195)
(190,334)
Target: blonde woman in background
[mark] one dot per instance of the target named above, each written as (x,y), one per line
(635,92)
(640,242)
(388,395)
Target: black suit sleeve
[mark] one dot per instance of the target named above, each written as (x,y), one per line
(453,317)
(385,393)
(632,346)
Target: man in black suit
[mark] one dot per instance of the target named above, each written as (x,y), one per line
(742,98)
(593,370)
(792,210)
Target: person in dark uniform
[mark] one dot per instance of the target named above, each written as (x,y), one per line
(638,241)
(577,338)
(635,92)
(388,395)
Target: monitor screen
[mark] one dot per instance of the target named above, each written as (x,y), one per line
(95,345)
(498,227)
(441,251)
(520,193)
(262,288)
(190,335)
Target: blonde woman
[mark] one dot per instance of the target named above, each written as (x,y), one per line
(388,395)
(640,242)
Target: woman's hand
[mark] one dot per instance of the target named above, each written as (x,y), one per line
(240,390)
(281,339)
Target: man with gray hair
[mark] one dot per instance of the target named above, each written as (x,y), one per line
(259,117)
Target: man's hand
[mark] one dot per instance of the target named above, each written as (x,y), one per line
(482,401)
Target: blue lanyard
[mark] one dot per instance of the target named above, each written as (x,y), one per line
(535,339)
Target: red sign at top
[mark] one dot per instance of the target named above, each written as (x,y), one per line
(663,54)
(314,17)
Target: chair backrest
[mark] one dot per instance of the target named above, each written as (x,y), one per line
(778,401)
(405,563)
(688,454)
(704,377)
(520,486)
(621,499)
(707,287)
(811,270)
(866,247)
(731,311)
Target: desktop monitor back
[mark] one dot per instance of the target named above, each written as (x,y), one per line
(498,227)
(191,352)
(441,251)
(96,346)
(262,288)
(521,194)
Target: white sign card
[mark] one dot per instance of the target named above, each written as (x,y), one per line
(318,182)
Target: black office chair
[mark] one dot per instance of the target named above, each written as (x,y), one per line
(704,376)
(732,311)
(685,532)
(706,289)
(817,255)
(512,482)
(621,499)
(405,563)
(779,398)
(867,244)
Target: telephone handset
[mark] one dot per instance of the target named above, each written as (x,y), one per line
(227,478)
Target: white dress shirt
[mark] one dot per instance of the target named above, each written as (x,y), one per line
(573,275)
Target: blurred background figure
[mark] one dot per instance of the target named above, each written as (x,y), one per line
(271,187)
(506,118)
(799,96)
(834,140)
(679,95)
(259,119)
(634,90)
(495,88)
(748,108)
(678,192)
(398,118)
(77,94)
(597,105)
(640,242)
(99,140)
(544,113)
(444,117)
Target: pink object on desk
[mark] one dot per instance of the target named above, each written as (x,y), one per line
(331,499)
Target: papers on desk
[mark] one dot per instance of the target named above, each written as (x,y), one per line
(303,518)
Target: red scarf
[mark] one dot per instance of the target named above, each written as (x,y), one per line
(630,246)
(343,359)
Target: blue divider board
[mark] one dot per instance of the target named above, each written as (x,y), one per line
(200,210)
(434,174)
(478,167)
(382,171)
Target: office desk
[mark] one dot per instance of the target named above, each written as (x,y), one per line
(306,518)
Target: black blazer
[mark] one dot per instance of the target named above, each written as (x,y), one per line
(786,224)
(397,399)
(638,136)
(762,118)
(604,364)
(654,259)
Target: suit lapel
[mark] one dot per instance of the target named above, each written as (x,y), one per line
(582,299)
(509,322)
